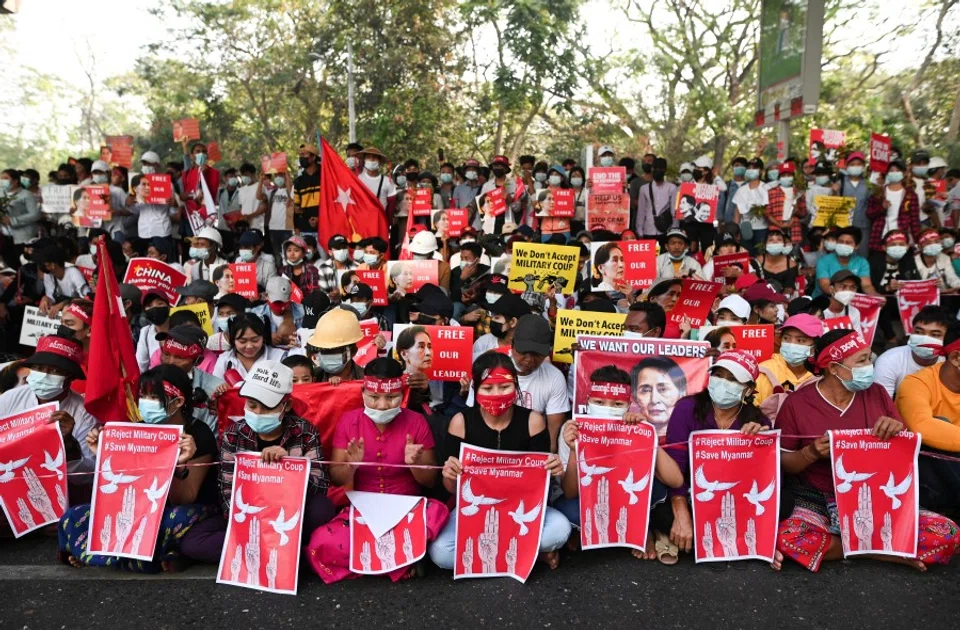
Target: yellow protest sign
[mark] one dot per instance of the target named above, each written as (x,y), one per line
(203,313)
(535,267)
(573,323)
(833,211)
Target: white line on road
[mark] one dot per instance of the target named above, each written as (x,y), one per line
(61,572)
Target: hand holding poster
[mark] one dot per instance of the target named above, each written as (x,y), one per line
(422,202)
(160,188)
(696,299)
(608,206)
(33,486)
(735,495)
(833,211)
(501,506)
(387,531)
(150,274)
(869,307)
(186,129)
(98,202)
(35,326)
(262,546)
(623,265)
(451,222)
(135,465)
(697,201)
(722,262)
(877,491)
(618,514)
(245,280)
(913,295)
(536,267)
(826,145)
(407,276)
(880,147)
(443,353)
(367,348)
(573,323)
(754,339)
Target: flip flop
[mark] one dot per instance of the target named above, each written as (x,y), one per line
(667,552)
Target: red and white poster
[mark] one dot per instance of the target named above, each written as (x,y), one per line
(186,129)
(880,146)
(913,295)
(262,546)
(877,491)
(608,206)
(376,279)
(422,202)
(443,353)
(826,145)
(367,350)
(869,307)
(387,531)
(623,265)
(296,293)
(696,299)
(99,202)
(161,188)
(407,276)
(735,495)
(135,463)
(492,202)
(149,274)
(697,201)
(616,468)
(501,505)
(564,202)
(33,482)
(213,152)
(245,280)
(755,339)
(740,260)
(837,323)
(458,220)
(660,372)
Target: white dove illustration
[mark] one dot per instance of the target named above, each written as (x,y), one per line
(11,466)
(360,519)
(282,527)
(894,491)
(53,465)
(630,486)
(521,518)
(410,516)
(245,509)
(589,472)
(709,487)
(847,478)
(114,479)
(475,501)
(154,493)
(757,498)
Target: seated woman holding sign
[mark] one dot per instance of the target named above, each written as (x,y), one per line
(844,398)
(165,398)
(497,422)
(394,442)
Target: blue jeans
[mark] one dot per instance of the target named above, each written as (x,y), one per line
(556,530)
(571,507)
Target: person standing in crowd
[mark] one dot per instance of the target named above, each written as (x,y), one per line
(893,207)
(154,220)
(373,177)
(22,214)
(853,184)
(306,192)
(465,193)
(655,201)
(751,203)
(738,167)
(330,269)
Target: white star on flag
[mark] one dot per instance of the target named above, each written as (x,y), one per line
(344,198)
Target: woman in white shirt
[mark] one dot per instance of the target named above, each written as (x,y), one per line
(933,263)
(61,280)
(248,347)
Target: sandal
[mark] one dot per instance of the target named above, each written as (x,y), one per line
(667,552)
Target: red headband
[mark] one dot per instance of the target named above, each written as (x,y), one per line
(929,236)
(171,390)
(841,349)
(79,313)
(376,385)
(497,375)
(177,349)
(61,347)
(613,391)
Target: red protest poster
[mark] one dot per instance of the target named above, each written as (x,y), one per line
(698,201)
(641,261)
(278,162)
(826,145)
(615,514)
(367,350)
(661,372)
(213,152)
(696,298)
(262,546)
(877,491)
(837,323)
(407,276)
(501,502)
(913,295)
(98,198)
(296,293)
(135,463)
(161,188)
(880,146)
(149,274)
(118,141)
(122,155)
(245,280)
(869,307)
(387,531)
(741,260)
(492,202)
(564,202)
(422,202)
(444,354)
(623,265)
(735,495)
(376,279)
(186,129)
(608,207)
(457,220)
(33,485)
(755,339)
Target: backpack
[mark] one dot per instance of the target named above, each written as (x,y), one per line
(771,405)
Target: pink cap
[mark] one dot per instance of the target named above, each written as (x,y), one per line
(805,323)
(740,363)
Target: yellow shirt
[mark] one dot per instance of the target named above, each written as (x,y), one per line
(781,370)
(930,409)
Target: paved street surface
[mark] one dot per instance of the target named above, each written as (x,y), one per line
(597,589)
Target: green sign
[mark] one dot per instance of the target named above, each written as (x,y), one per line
(782,33)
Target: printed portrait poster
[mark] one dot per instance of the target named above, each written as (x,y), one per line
(122,155)
(446,354)
(376,279)
(387,531)
(274,163)
(697,201)
(150,274)
(501,502)
(660,371)
(202,311)
(735,495)
(826,145)
(913,295)
(213,152)
(880,146)
(570,324)
(623,265)
(877,490)
(837,323)
(695,301)
(740,260)
(616,468)
(98,202)
(492,202)
(161,188)
(245,280)
(186,129)
(135,463)
(367,350)
(57,199)
(755,339)
(564,202)
(407,276)
(608,206)
(457,219)
(869,307)
(422,202)
(33,482)
(262,546)
(537,267)
(36,325)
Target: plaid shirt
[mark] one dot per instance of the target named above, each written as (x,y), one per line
(908,219)
(328,275)
(775,208)
(308,281)
(300,439)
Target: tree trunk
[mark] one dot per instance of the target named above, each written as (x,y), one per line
(954,130)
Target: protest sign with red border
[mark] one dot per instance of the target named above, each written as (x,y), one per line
(213,152)
(245,280)
(695,301)
(186,129)
(755,339)
(913,295)
(869,307)
(826,145)
(448,356)
(400,546)
(98,207)
(837,323)
(741,260)
(880,147)
(376,279)
(608,206)
(492,202)
(697,201)
(422,202)
(161,188)
(407,276)
(152,275)
(457,221)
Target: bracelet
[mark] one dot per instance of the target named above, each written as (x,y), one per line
(810,458)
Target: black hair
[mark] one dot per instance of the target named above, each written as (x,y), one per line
(855,232)
(656,316)
(953,333)
(662,364)
(578,169)
(185,316)
(662,287)
(14,175)
(598,304)
(246,167)
(739,160)
(298,360)
(377,243)
(219,271)
(230,171)
(68,246)
(604,235)
(715,335)
(52,254)
(384,367)
(8,375)
(86,162)
(347,278)
(408,337)
(354,146)
(953,172)
(820,343)
(151,383)
(933,314)
(490,360)
(241,322)
(610,374)
(473,248)
(176,166)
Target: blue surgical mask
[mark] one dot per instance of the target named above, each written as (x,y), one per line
(45,386)
(787,248)
(152,411)
(843,250)
(894,177)
(854,171)
(786,182)
(576,182)
(897,251)
(822,180)
(357,307)
(401,181)
(100,179)
(948,243)
(920,171)
(861,378)
(261,423)
(917,345)
(830,245)
(775,249)
(686,177)
(540,177)
(200,159)
(5,184)
(279,181)
(199,253)
(606,160)
(221,323)
(933,249)
(751,174)
(246,179)
(794,353)
(738,171)
(232,181)
(446,178)
(555,180)
(773,174)
(471,175)
(725,394)
(25,182)
(333,363)
(358,255)
(371,259)
(246,255)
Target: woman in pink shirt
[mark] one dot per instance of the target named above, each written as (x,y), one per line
(387,439)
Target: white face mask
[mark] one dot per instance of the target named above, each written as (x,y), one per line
(381,416)
(340,255)
(603,411)
(148,170)
(606,160)
(491,297)
(371,165)
(844,297)
(471,175)
(351,162)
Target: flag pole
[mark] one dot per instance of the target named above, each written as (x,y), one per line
(133,409)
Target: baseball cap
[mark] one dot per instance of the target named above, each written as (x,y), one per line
(740,363)
(605,149)
(686,166)
(736,305)
(338,241)
(278,289)
(198,288)
(61,352)
(704,161)
(856,155)
(788,168)
(844,274)
(361,291)
(151,157)
(100,165)
(314,306)
(745,281)
(762,291)
(805,323)
(676,232)
(250,238)
(269,383)
(130,292)
(533,335)
(510,305)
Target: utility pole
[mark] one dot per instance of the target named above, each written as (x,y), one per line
(783,139)
(351,111)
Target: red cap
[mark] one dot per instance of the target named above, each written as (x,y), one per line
(500,159)
(745,280)
(741,364)
(763,291)
(66,348)
(788,168)
(856,155)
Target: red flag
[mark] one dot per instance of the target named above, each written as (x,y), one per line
(347,206)
(112,363)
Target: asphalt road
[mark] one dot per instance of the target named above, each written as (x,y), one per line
(601,588)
